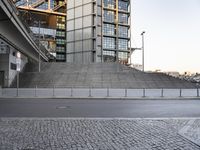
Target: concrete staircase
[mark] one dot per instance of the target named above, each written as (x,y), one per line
(98,75)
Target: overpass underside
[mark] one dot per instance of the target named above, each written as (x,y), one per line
(16,40)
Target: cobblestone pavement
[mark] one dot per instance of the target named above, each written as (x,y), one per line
(93,134)
(191,131)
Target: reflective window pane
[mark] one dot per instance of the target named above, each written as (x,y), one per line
(108,43)
(122,56)
(109,16)
(123,44)
(123,5)
(123,18)
(109,29)
(109,3)
(123,31)
(109,56)
(60,57)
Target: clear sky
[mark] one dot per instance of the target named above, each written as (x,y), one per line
(172,38)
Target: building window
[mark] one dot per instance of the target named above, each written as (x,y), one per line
(61,19)
(109,29)
(109,4)
(109,16)
(122,56)
(60,57)
(108,43)
(123,5)
(123,18)
(123,31)
(60,49)
(61,26)
(109,56)
(60,41)
(13,66)
(123,44)
(60,33)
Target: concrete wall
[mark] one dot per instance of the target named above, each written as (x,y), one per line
(8,63)
(80,33)
(4,67)
(12,59)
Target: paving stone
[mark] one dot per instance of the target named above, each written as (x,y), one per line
(93,134)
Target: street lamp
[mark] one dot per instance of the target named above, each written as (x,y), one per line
(142,48)
(142,34)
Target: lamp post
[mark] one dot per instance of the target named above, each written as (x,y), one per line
(142,49)
(142,34)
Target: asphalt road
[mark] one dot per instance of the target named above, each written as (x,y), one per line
(99,108)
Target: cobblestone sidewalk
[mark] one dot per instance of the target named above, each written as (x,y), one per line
(93,134)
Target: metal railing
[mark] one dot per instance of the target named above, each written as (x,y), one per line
(57,92)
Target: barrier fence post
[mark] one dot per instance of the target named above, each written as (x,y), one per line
(144,92)
(54,91)
(36,91)
(90,95)
(180,93)
(125,92)
(197,92)
(162,92)
(107,91)
(17,94)
(17,83)
(71,91)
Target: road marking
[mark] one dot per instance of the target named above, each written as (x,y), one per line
(96,118)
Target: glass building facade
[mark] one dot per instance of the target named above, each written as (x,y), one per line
(47,20)
(116,30)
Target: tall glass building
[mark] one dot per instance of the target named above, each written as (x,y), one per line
(98,31)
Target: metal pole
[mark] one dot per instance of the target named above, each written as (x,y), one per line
(162,92)
(54,91)
(90,95)
(142,34)
(197,92)
(144,94)
(39,48)
(71,91)
(17,83)
(108,92)
(180,92)
(125,92)
(36,91)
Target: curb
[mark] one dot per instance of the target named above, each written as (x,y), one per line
(108,98)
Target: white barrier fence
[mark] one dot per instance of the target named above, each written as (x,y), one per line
(97,93)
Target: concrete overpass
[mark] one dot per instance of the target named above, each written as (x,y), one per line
(17,34)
